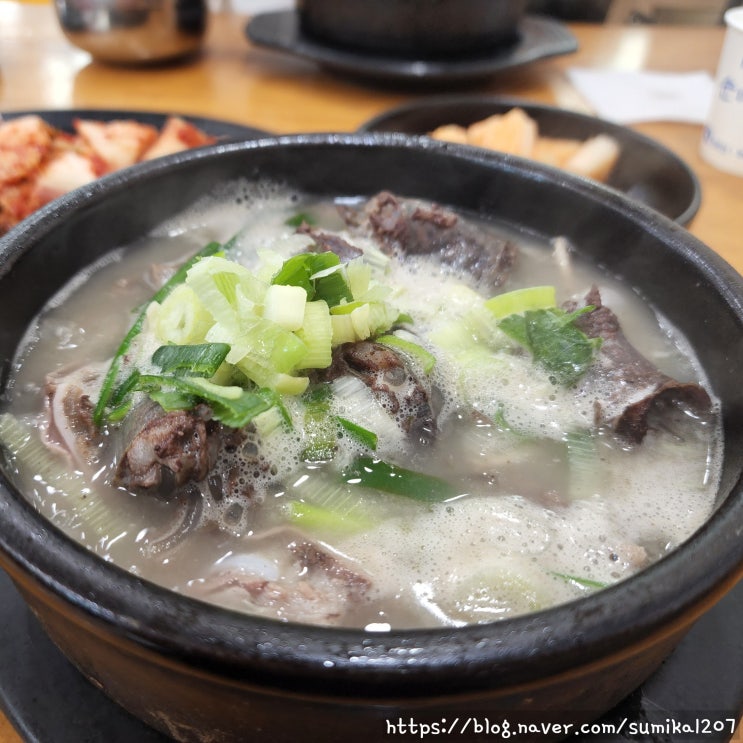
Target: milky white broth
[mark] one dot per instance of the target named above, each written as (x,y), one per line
(516,540)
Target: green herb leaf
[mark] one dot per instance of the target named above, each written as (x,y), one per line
(554,341)
(317,274)
(299,219)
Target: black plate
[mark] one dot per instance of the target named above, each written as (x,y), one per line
(538,38)
(63,119)
(50,702)
(646,170)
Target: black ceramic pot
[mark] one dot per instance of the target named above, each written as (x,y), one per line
(413,28)
(199,672)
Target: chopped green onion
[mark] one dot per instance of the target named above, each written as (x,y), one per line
(24,443)
(318,518)
(363,435)
(319,493)
(284,305)
(331,285)
(319,429)
(200,360)
(233,406)
(178,278)
(585,474)
(29,453)
(520,300)
(317,335)
(181,318)
(389,478)
(311,272)
(581,582)
(346,308)
(424,358)
(226,288)
(170,400)
(296,271)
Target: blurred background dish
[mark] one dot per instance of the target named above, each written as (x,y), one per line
(134,31)
(53,152)
(64,119)
(645,170)
(413,28)
(537,38)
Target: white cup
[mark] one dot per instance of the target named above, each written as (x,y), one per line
(722,140)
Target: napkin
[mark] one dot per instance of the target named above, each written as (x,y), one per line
(627,97)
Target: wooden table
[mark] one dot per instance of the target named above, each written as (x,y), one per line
(39,69)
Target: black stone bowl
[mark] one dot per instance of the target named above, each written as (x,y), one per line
(413,28)
(198,672)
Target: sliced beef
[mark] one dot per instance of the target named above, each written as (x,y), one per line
(413,228)
(315,561)
(328,242)
(69,408)
(637,386)
(405,397)
(317,588)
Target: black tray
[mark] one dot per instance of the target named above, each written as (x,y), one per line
(539,38)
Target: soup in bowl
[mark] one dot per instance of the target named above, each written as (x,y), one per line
(365,425)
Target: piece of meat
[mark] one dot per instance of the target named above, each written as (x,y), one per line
(69,426)
(411,227)
(638,386)
(316,587)
(329,242)
(393,384)
(170,449)
(177,135)
(182,456)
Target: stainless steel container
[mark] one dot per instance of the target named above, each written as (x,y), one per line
(134,31)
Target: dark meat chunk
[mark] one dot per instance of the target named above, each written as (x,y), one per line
(394,385)
(169,450)
(328,242)
(639,386)
(413,228)
(313,560)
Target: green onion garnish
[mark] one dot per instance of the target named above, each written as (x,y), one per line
(389,478)
(109,381)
